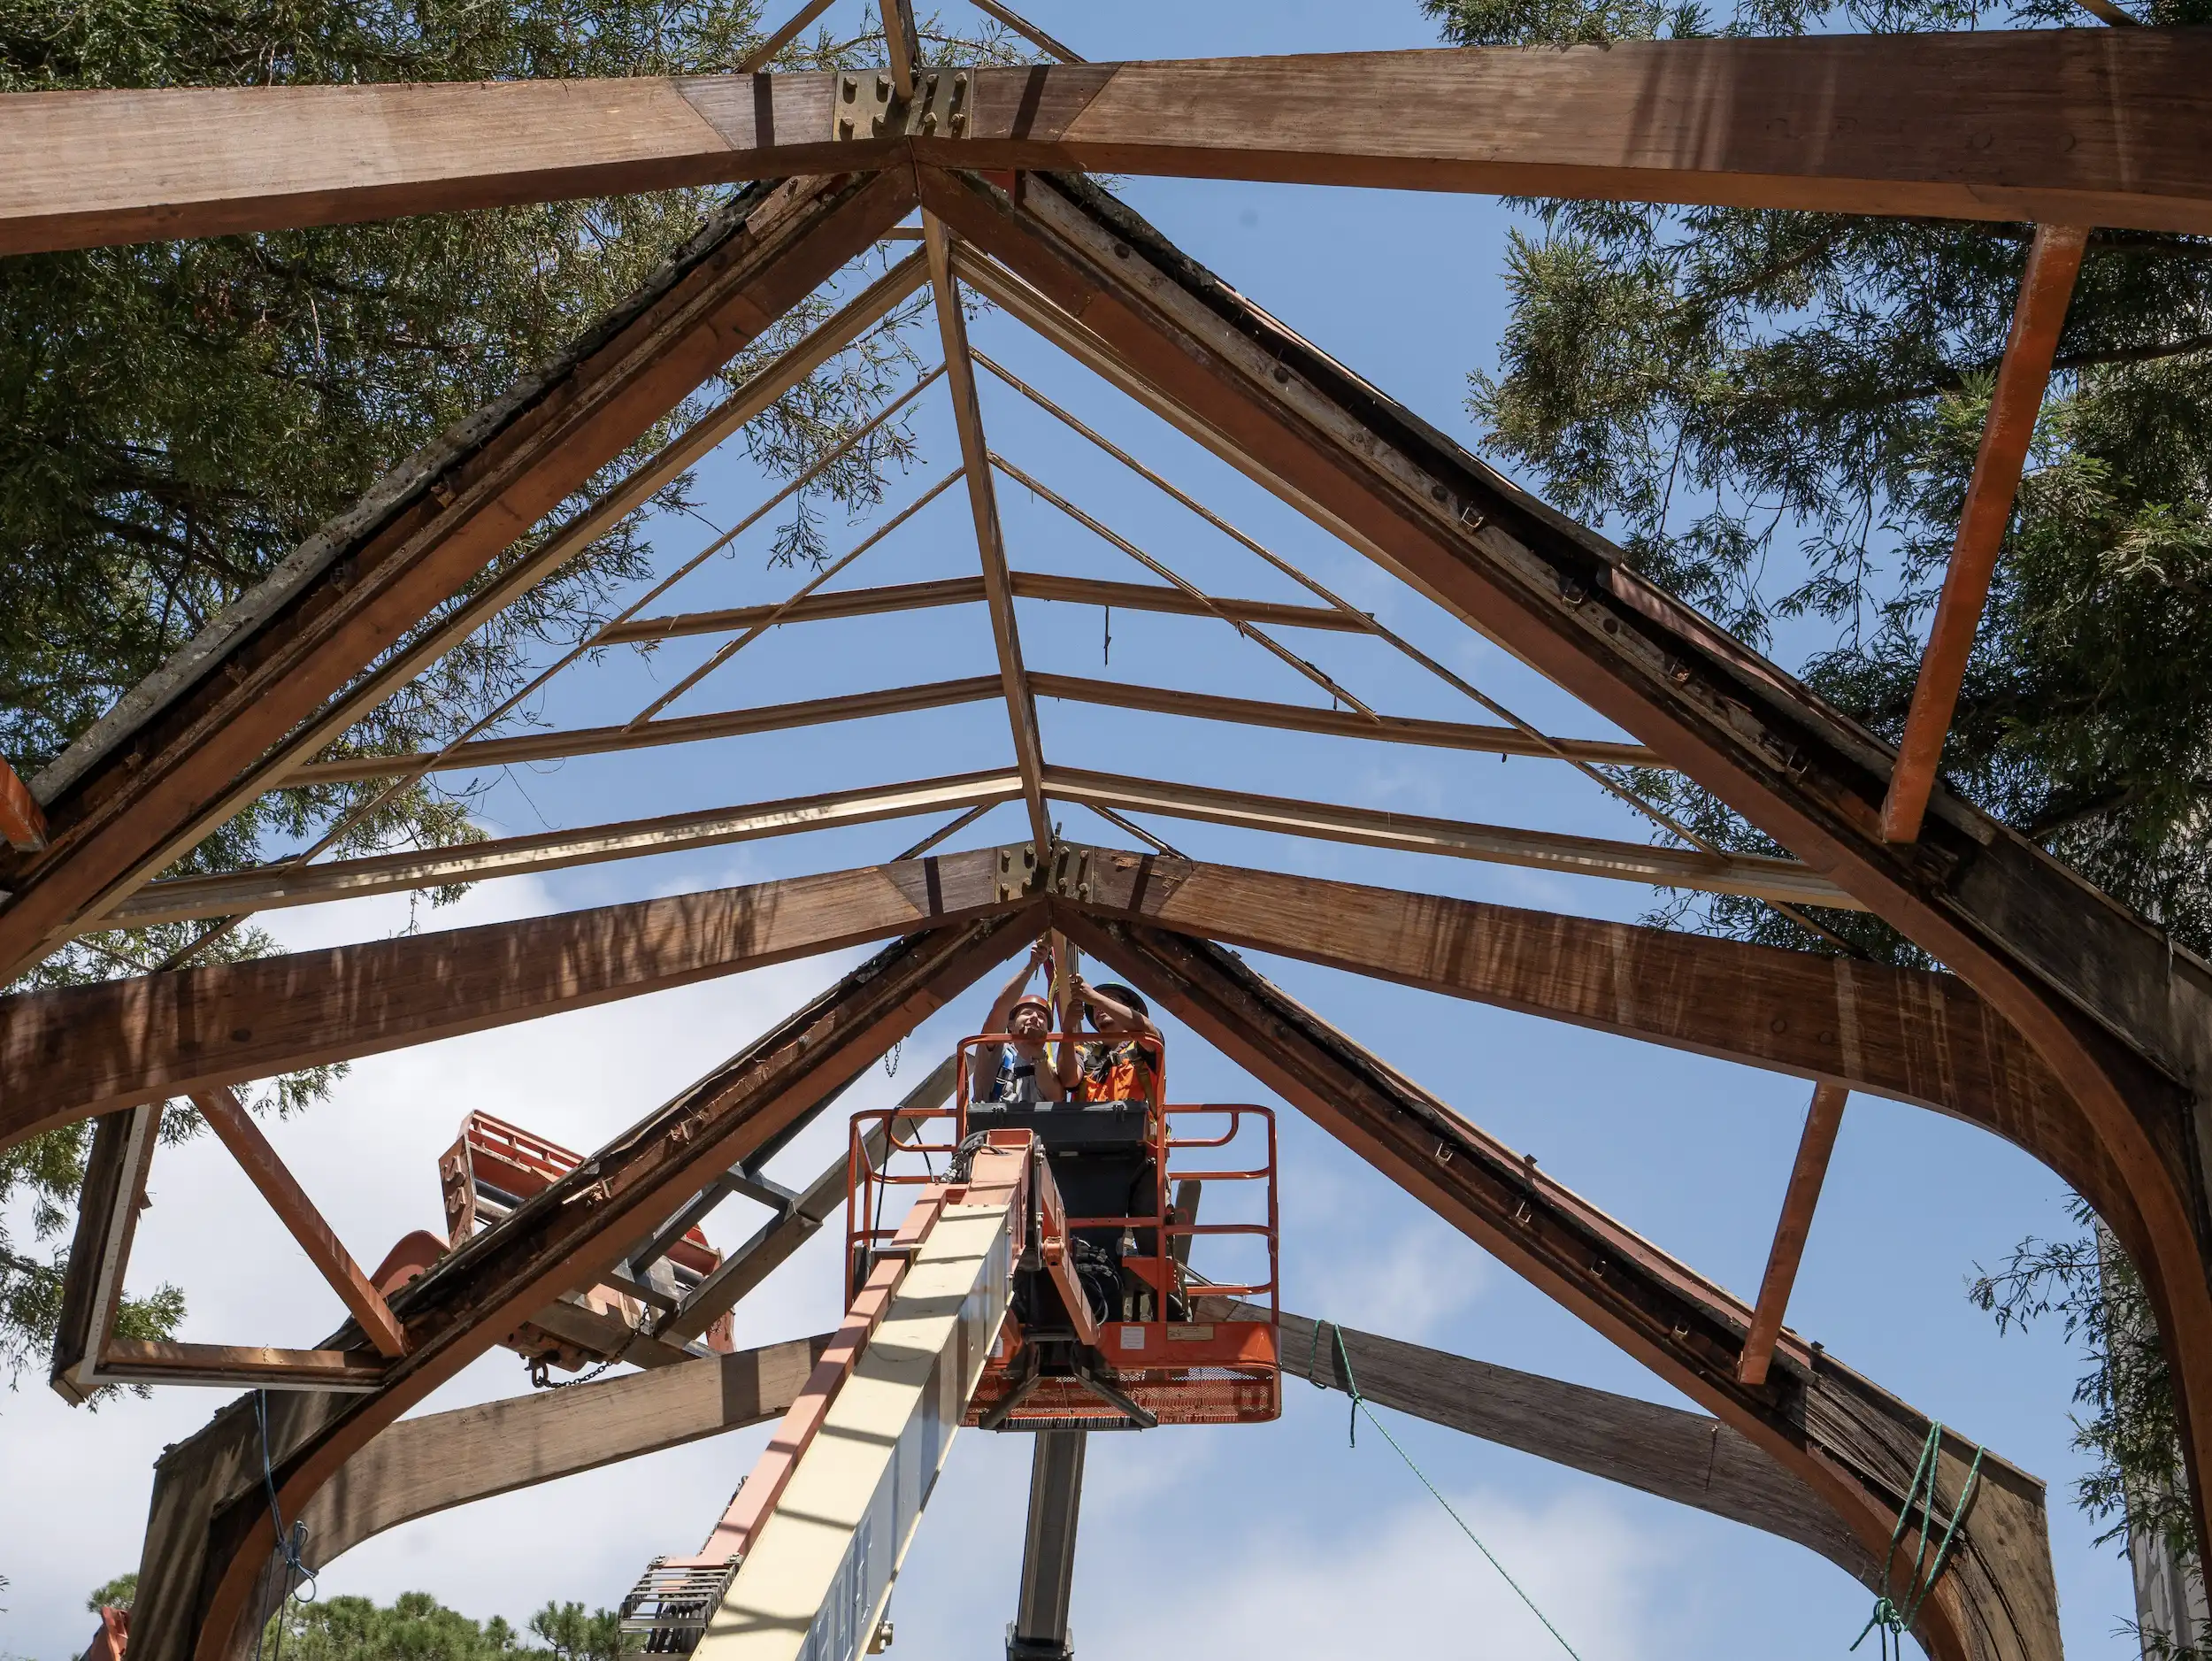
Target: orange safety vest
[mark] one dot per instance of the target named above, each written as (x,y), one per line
(1117,1072)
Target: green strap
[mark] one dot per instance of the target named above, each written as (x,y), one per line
(1892,1622)
(1359,1406)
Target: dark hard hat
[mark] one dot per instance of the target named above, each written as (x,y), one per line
(1120,994)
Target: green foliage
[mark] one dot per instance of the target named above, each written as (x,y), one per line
(120,1593)
(2127,1421)
(1776,415)
(415,1626)
(175,418)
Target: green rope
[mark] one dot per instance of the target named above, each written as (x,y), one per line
(1892,1622)
(1359,1406)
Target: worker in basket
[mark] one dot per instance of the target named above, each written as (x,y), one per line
(1119,1065)
(1019,1073)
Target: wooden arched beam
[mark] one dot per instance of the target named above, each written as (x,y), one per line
(1851,1441)
(420,1466)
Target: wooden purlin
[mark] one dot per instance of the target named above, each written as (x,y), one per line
(2064,125)
(2119,1013)
(187,737)
(210,1531)
(1852,1443)
(269,887)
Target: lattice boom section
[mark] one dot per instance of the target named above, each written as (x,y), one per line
(1175,1395)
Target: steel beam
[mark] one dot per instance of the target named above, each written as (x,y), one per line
(186,739)
(2068,126)
(1039,1628)
(2122,1015)
(210,1533)
(1851,1441)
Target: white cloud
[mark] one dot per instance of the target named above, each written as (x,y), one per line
(1407,1583)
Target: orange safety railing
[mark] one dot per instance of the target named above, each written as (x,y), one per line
(881,1138)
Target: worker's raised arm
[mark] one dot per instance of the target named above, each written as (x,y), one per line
(983,1062)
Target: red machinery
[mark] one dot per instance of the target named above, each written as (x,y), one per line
(1118,1220)
(493,1167)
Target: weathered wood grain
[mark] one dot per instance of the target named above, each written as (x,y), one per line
(428,1465)
(78,1050)
(2083,126)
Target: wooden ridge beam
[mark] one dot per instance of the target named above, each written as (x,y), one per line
(73,1051)
(1913,1035)
(1390,729)
(2068,126)
(1410,833)
(990,537)
(1027,585)
(210,1534)
(181,742)
(1855,1444)
(672,729)
(271,887)
(2046,290)
(2118,1011)
(424,1465)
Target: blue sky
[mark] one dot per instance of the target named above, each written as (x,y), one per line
(1276,1541)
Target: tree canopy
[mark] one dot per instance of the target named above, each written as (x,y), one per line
(1776,415)
(175,417)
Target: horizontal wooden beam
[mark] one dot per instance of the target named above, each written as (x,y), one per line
(2070,125)
(673,729)
(1390,729)
(75,1051)
(1028,585)
(238,1367)
(1912,1036)
(179,748)
(424,1465)
(271,887)
(1374,828)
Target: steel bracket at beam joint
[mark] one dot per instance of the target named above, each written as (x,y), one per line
(1016,871)
(867,105)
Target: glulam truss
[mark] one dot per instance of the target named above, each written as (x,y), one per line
(2066,1025)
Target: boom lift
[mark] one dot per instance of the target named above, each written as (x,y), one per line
(492,1168)
(1040,1282)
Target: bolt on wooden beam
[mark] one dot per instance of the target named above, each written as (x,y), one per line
(1823,1120)
(2054,261)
